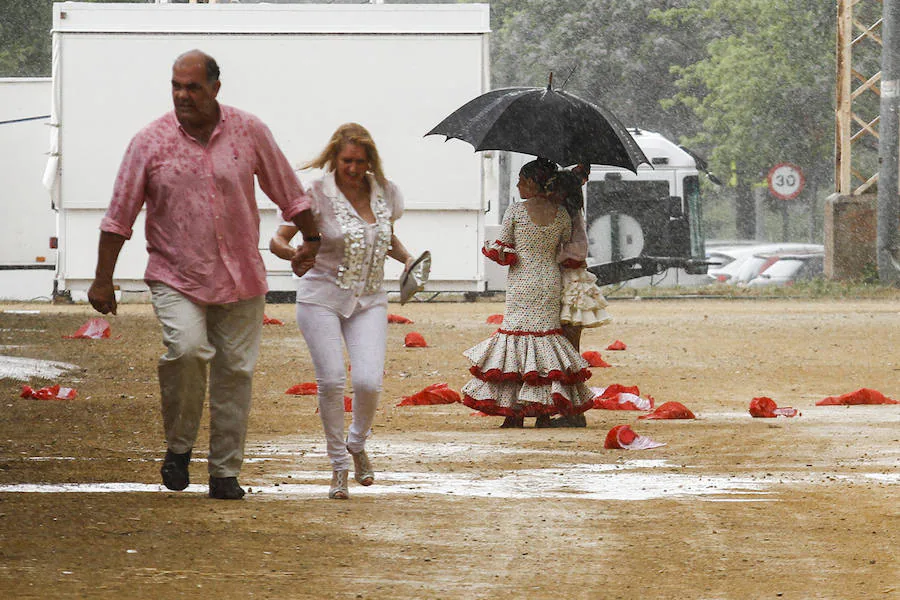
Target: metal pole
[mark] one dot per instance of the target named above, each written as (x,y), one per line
(759,201)
(888,148)
(785,220)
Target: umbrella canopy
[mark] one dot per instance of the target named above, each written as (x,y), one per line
(543,122)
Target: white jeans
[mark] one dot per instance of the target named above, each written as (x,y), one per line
(364,334)
(225,337)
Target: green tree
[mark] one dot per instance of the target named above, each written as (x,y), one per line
(764,92)
(25,36)
(611,51)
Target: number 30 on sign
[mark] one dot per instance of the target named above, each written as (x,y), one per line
(786,181)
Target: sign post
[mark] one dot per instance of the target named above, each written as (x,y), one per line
(786,181)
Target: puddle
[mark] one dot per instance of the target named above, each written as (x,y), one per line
(23,369)
(883,413)
(581,481)
(575,481)
(412,450)
(448,468)
(196,459)
(884,477)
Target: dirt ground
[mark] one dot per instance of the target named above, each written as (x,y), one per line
(731,508)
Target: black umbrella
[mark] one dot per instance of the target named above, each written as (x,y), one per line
(543,122)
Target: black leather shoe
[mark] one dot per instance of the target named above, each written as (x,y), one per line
(174,470)
(225,488)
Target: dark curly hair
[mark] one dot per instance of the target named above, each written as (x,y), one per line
(568,185)
(539,171)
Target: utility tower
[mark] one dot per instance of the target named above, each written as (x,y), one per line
(859,48)
(861,229)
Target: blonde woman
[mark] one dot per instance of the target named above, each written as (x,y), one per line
(340,298)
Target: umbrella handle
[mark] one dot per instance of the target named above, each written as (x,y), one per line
(550,82)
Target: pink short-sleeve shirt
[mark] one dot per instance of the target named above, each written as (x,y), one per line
(202,224)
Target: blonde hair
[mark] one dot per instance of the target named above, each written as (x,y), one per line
(349,133)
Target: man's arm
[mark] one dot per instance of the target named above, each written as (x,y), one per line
(102,294)
(305,257)
(306,223)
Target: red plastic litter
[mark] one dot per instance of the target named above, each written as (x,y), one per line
(398,319)
(670,410)
(614,389)
(594,359)
(860,396)
(94,329)
(620,397)
(437,393)
(53,392)
(616,345)
(622,437)
(495,319)
(268,321)
(303,389)
(414,339)
(766,408)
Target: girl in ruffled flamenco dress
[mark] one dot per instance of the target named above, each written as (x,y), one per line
(583,304)
(528,368)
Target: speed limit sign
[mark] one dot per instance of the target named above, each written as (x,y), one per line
(786,181)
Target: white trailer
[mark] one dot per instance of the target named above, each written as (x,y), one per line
(28,228)
(303,69)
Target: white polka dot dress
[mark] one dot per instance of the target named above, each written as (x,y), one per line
(528,368)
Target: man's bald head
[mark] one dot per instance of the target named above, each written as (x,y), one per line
(195,85)
(208,62)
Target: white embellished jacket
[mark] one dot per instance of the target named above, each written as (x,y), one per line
(349,270)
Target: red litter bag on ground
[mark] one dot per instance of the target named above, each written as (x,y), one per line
(860,396)
(414,339)
(94,329)
(398,319)
(53,392)
(670,410)
(268,321)
(620,397)
(622,437)
(495,319)
(766,408)
(438,393)
(303,389)
(616,345)
(594,359)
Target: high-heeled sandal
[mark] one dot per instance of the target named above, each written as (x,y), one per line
(362,468)
(338,490)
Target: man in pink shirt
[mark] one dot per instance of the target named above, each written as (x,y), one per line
(193,170)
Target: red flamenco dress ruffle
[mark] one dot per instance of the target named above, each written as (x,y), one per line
(501,253)
(518,373)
